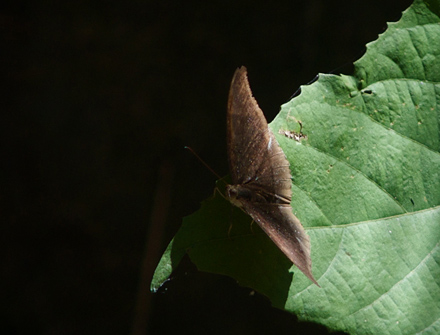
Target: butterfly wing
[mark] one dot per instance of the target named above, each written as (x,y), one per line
(285,230)
(251,144)
(259,167)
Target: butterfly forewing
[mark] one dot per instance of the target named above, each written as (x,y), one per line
(250,143)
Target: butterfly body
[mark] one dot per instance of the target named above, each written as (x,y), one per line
(239,195)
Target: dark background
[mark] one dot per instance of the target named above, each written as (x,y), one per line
(99,99)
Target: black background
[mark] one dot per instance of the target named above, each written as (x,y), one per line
(99,99)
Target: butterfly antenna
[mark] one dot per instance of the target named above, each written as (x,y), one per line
(204,163)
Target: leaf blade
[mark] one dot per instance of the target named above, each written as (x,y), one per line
(366,187)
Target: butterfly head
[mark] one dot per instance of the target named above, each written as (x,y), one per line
(237,194)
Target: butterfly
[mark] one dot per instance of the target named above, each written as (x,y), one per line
(260,173)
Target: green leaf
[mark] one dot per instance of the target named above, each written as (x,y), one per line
(366,187)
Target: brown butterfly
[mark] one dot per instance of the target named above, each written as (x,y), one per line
(261,175)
